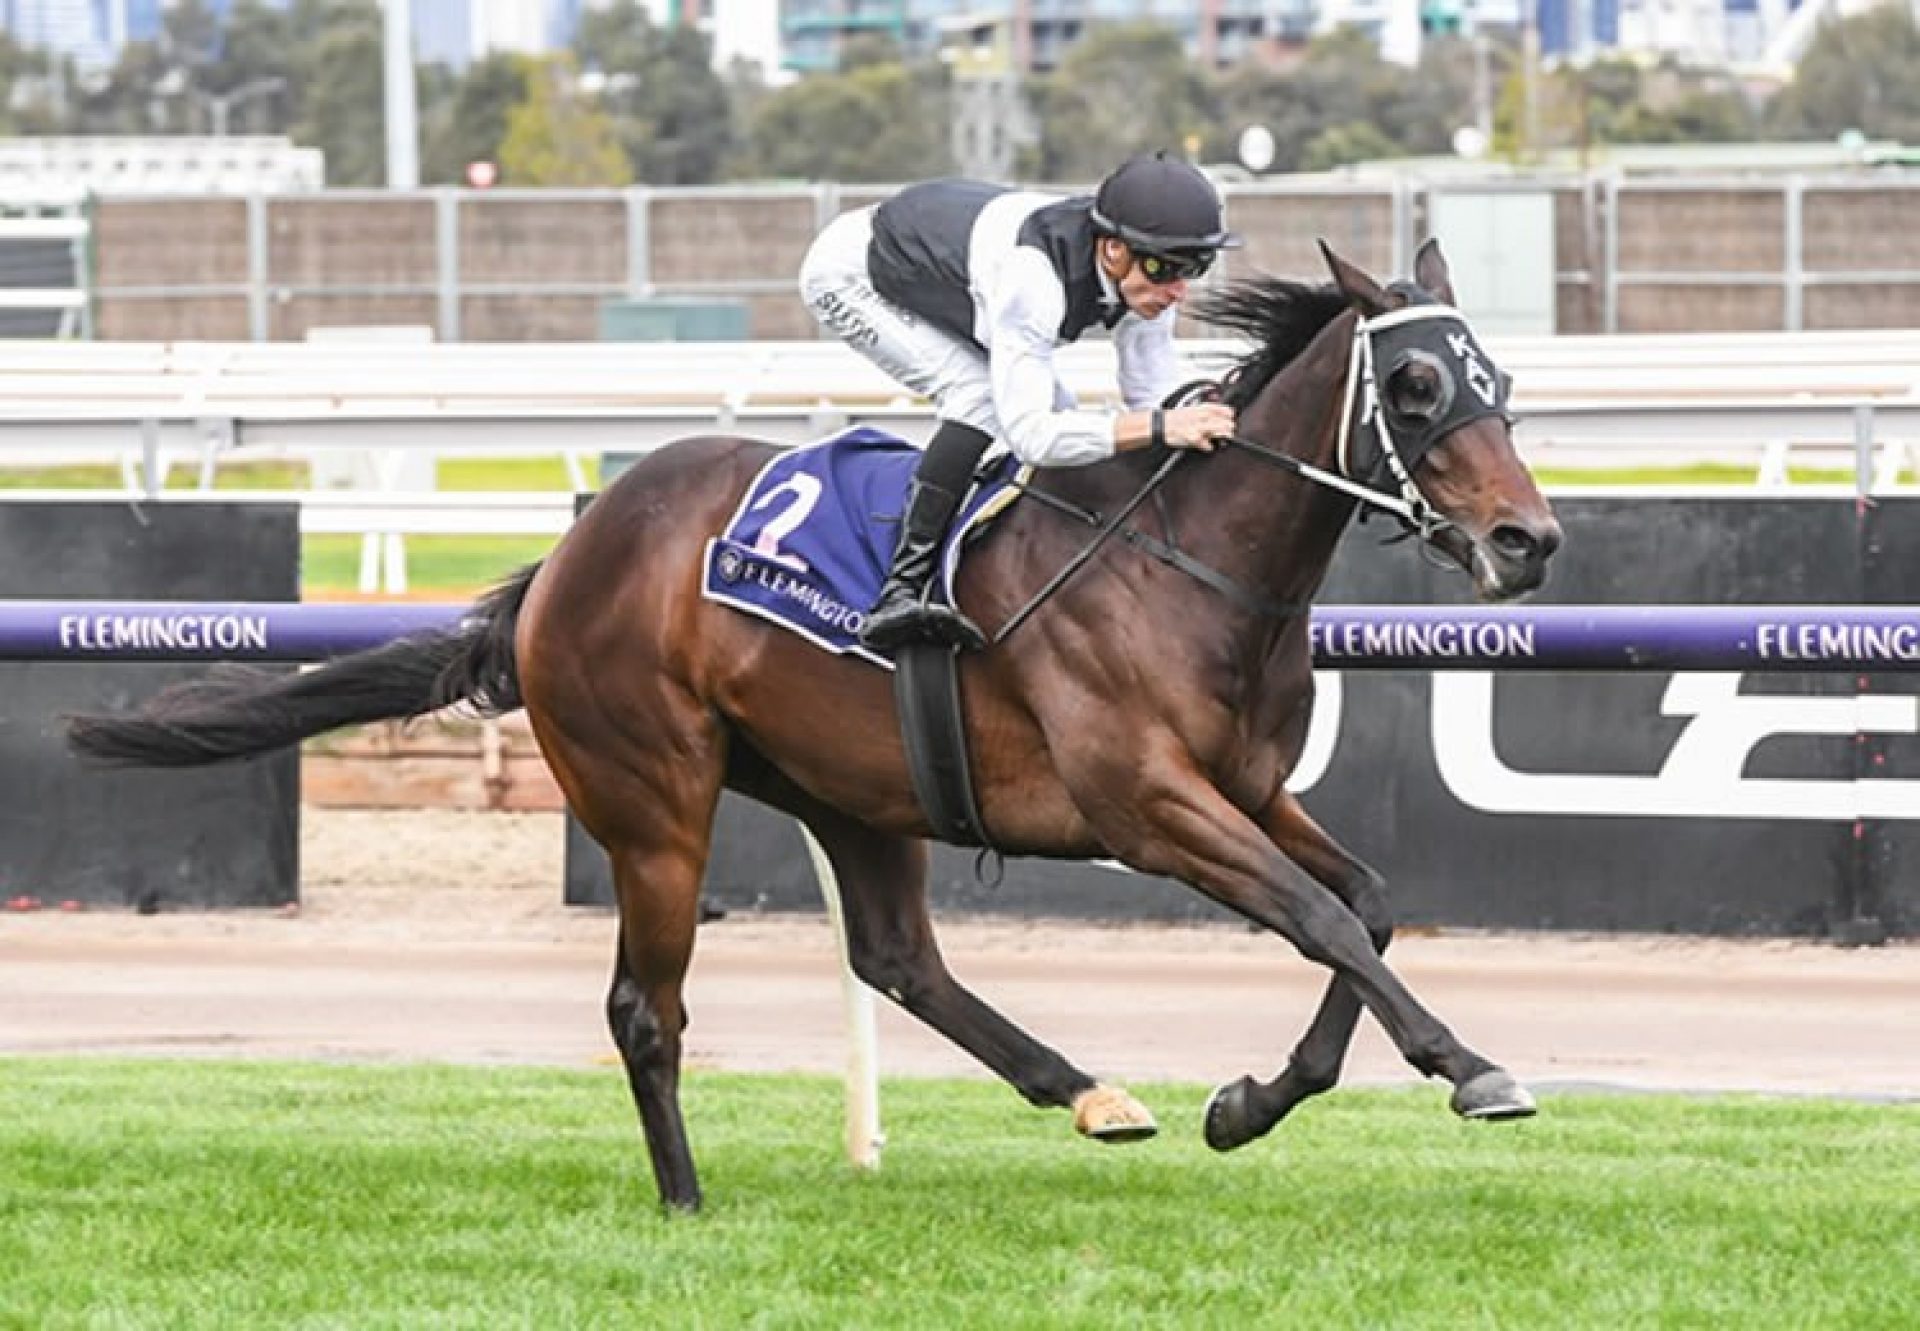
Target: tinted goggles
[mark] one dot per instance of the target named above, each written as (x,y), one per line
(1163,269)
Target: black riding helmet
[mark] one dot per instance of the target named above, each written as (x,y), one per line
(1162,205)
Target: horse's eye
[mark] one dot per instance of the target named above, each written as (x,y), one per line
(1416,393)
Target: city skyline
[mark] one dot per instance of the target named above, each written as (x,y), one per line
(787,37)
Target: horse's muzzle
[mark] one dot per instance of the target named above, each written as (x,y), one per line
(1511,560)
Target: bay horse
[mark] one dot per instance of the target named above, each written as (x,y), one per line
(1150,711)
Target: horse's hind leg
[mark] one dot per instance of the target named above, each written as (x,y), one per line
(652,809)
(1247,1109)
(659,908)
(890,944)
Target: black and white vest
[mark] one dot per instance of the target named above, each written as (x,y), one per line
(929,238)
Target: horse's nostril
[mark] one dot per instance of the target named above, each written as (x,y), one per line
(1517,544)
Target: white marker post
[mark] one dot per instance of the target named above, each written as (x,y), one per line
(864,1137)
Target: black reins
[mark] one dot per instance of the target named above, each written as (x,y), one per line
(1168,551)
(1107,527)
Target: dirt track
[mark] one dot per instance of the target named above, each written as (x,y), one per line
(439,935)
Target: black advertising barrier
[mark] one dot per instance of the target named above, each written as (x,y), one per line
(1656,801)
(1887,863)
(1756,803)
(204,838)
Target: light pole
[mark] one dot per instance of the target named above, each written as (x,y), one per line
(403,133)
(220,104)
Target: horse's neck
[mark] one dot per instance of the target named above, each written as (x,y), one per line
(1271,530)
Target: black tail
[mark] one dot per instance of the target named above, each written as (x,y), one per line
(238,711)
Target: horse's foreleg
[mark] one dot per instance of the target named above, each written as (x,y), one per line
(890,944)
(1246,1109)
(1194,833)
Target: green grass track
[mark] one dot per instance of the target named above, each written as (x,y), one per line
(197,1194)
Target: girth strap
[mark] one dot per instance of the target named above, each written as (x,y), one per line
(926,690)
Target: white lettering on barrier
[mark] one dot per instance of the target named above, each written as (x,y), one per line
(1323,732)
(1704,772)
(109,634)
(1825,642)
(1439,638)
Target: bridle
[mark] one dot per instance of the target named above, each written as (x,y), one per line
(1361,401)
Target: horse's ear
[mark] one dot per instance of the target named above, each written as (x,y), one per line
(1430,270)
(1361,291)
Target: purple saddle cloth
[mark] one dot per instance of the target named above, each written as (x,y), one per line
(810,543)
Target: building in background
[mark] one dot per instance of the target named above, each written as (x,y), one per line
(992,120)
(143,20)
(77,29)
(456,32)
(803,36)
(443,33)
(1221,33)
(1039,33)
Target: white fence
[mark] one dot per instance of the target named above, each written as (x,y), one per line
(1849,399)
(62,397)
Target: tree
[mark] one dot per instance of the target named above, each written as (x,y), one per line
(555,137)
(170,85)
(1342,145)
(1622,101)
(1428,108)
(258,47)
(340,106)
(671,111)
(1343,103)
(1860,73)
(191,37)
(880,121)
(127,100)
(1121,90)
(26,100)
(467,121)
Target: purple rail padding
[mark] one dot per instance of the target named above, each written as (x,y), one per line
(1507,638)
(206,631)
(1617,638)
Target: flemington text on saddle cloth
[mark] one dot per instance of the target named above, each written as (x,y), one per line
(810,543)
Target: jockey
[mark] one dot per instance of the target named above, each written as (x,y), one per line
(962,290)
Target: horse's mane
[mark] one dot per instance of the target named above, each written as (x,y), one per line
(1281,317)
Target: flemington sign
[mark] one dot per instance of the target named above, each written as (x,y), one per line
(1588,637)
(1556,638)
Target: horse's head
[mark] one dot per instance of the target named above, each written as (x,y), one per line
(1426,417)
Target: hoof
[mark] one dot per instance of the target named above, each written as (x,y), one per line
(1228,1119)
(1109,1114)
(1493,1095)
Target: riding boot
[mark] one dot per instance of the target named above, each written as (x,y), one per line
(905,611)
